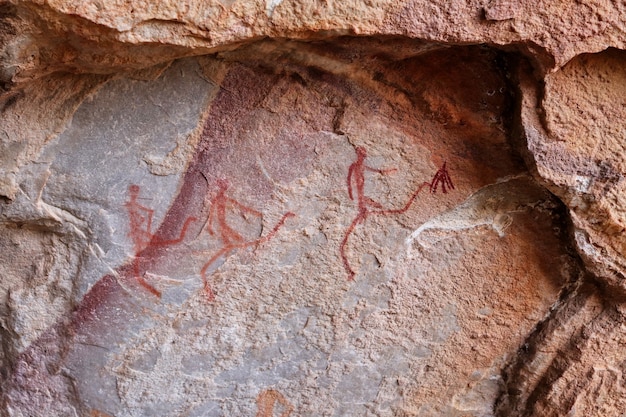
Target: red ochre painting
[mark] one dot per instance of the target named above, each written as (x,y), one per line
(367,206)
(140,224)
(245,157)
(230,239)
(206,194)
(140,220)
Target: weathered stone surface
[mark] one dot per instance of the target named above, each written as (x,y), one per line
(577,146)
(313,224)
(573,363)
(100,36)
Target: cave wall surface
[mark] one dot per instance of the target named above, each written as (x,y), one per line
(312,208)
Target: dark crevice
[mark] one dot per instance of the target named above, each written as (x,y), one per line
(522,389)
(518,398)
(566,358)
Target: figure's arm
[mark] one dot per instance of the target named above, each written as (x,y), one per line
(243,208)
(350,174)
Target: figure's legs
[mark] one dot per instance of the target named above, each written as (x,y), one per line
(229,236)
(141,280)
(156,242)
(231,246)
(203,272)
(342,249)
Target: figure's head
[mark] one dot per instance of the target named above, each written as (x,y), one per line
(361,152)
(133,190)
(222,184)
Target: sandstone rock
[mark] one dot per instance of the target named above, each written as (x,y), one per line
(578,148)
(198,221)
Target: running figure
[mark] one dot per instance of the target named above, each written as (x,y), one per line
(140,221)
(231,239)
(367,206)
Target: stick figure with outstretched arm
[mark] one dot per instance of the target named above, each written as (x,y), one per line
(356,175)
(140,220)
(230,238)
(217,213)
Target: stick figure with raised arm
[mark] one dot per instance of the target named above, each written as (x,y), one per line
(140,220)
(230,238)
(356,175)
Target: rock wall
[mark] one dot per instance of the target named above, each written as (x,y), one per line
(291,208)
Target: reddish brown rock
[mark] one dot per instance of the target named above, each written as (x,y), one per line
(336,220)
(97,36)
(577,146)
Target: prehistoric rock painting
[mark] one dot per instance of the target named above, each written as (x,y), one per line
(284,134)
(230,239)
(367,206)
(140,220)
(270,400)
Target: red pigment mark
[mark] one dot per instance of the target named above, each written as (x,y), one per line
(356,175)
(266,401)
(96,413)
(231,240)
(140,219)
(442,176)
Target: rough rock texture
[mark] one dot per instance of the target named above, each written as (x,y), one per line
(311,208)
(578,147)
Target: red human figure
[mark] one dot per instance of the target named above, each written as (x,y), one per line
(231,239)
(266,401)
(441,177)
(356,174)
(140,220)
